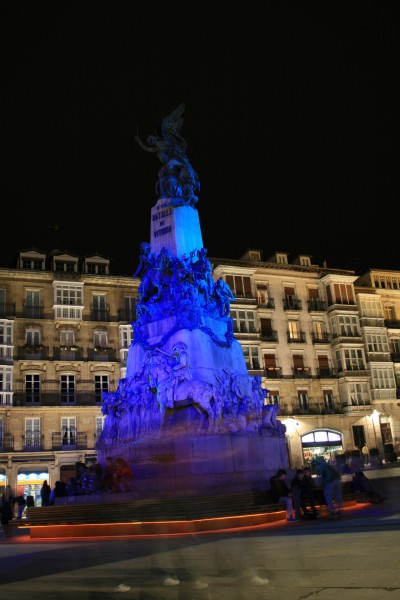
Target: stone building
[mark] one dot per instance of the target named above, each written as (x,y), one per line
(325,342)
(65,326)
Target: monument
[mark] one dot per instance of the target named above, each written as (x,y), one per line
(188,417)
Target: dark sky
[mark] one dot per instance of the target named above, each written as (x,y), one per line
(291,124)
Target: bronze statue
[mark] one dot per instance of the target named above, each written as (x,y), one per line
(177,180)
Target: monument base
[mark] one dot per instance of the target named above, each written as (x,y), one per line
(201,465)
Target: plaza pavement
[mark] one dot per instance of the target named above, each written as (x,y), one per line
(355,557)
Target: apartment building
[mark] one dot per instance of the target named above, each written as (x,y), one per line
(65,330)
(326,343)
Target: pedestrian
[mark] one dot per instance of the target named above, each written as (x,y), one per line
(365,454)
(45,491)
(303,497)
(280,492)
(361,484)
(107,482)
(122,476)
(21,503)
(331,485)
(7,510)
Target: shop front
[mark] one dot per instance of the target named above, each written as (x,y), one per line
(29,483)
(321,442)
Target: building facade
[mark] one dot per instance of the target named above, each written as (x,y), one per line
(325,342)
(65,330)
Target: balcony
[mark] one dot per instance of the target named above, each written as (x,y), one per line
(316,409)
(378,357)
(320,338)
(32,441)
(316,305)
(33,312)
(270,303)
(355,371)
(269,336)
(33,352)
(357,409)
(127,314)
(273,372)
(296,338)
(100,315)
(291,303)
(53,397)
(392,324)
(6,442)
(7,310)
(69,440)
(242,298)
(301,372)
(326,373)
(69,353)
(101,354)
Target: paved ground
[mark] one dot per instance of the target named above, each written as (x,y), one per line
(355,557)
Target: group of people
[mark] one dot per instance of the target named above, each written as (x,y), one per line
(115,476)
(302,496)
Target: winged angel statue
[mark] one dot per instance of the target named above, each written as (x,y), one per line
(177,180)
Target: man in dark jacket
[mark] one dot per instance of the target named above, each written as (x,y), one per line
(331,484)
(280,492)
(303,497)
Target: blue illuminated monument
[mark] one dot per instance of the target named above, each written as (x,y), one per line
(188,417)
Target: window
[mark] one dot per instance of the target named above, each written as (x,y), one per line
(251,357)
(377,342)
(328,399)
(274,397)
(101,384)
(266,329)
(65,266)
(384,381)
(289,294)
(358,393)
(262,295)
(96,268)
(390,313)
(319,331)
(67,337)
(99,425)
(354,359)
(100,339)
(340,293)
(32,304)
(323,365)
(32,389)
(294,330)
(33,436)
(302,396)
(371,307)
(345,325)
(240,286)
(68,300)
(32,336)
(6,393)
(99,302)
(244,321)
(6,332)
(125,336)
(68,431)
(29,264)
(69,294)
(68,389)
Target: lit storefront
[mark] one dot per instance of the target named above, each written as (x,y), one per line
(323,442)
(30,483)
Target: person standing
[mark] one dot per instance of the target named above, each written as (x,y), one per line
(331,484)
(281,493)
(45,493)
(365,454)
(7,510)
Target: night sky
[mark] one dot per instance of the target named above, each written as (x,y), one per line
(291,124)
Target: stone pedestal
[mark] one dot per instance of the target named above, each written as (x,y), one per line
(202,465)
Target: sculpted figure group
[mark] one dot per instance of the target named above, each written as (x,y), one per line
(232,405)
